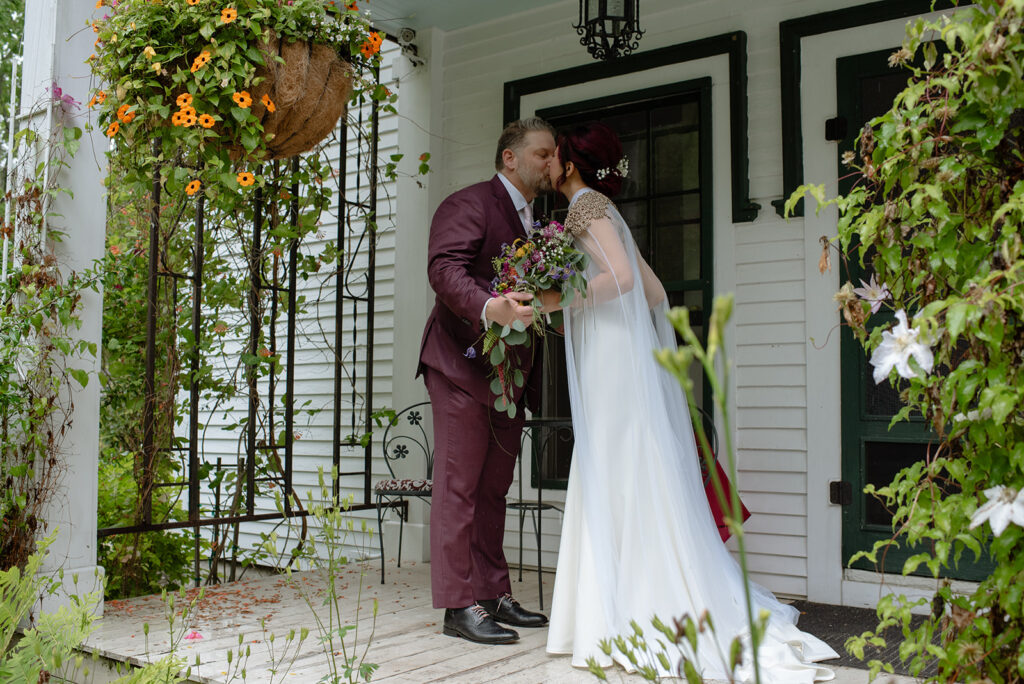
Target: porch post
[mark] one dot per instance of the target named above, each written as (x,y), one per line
(419,130)
(57,45)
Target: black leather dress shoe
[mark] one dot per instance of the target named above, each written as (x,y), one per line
(473,623)
(506,609)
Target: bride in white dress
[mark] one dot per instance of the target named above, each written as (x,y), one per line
(638,537)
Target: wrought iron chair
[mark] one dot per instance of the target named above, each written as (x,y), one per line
(542,432)
(406,442)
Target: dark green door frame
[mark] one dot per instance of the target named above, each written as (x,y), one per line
(791,33)
(734,45)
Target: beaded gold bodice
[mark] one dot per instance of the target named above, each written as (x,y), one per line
(588,207)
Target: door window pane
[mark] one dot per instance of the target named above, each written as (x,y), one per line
(676,160)
(677,238)
(882,461)
(635,215)
(661,203)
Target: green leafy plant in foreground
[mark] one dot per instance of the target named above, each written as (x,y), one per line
(936,217)
(49,647)
(323,549)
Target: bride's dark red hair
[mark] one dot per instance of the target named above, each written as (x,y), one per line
(591,147)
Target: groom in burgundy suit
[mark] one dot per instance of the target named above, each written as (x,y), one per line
(476,446)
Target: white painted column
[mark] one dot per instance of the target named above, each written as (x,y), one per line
(57,45)
(419,131)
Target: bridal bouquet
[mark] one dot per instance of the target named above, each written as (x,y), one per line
(545,260)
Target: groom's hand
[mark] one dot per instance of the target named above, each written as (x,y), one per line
(510,307)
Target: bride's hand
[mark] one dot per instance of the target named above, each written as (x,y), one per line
(549,300)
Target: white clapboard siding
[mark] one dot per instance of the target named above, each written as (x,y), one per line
(763,262)
(767,263)
(314,372)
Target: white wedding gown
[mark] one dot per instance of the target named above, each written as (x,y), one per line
(638,538)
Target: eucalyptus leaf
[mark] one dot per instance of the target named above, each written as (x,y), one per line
(497,355)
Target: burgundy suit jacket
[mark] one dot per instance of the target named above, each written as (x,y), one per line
(468,231)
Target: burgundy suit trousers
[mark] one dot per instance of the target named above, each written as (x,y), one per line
(475,451)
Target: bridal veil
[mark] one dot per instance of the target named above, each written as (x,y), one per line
(638,536)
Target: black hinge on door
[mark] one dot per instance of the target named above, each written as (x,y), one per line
(840,492)
(835,129)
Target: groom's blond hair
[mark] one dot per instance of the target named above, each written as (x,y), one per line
(514,135)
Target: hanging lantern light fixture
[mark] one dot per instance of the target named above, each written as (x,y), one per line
(609,28)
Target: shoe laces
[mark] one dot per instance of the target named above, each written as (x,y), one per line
(479,611)
(507,599)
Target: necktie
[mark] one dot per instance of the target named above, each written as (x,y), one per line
(528,217)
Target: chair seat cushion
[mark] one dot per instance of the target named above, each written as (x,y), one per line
(407,486)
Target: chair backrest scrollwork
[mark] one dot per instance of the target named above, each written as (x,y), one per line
(546,436)
(408,438)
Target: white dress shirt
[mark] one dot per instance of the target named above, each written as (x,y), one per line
(522,206)
(525,215)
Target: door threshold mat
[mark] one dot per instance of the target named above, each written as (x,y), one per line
(835,624)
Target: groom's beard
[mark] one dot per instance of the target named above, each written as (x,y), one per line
(539,182)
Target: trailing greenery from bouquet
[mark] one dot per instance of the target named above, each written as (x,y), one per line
(936,217)
(546,260)
(673,649)
(39,348)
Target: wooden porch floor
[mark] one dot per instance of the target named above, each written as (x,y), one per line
(407,643)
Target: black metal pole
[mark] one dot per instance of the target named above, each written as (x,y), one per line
(255,279)
(194,361)
(351,250)
(193,418)
(289,405)
(339,312)
(371,270)
(275,288)
(149,381)
(214,574)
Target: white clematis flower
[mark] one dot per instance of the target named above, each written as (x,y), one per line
(1004,505)
(873,292)
(897,346)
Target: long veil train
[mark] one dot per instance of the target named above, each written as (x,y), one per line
(638,538)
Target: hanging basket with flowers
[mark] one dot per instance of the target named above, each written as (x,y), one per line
(223,82)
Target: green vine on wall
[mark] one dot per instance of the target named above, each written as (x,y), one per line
(39,307)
